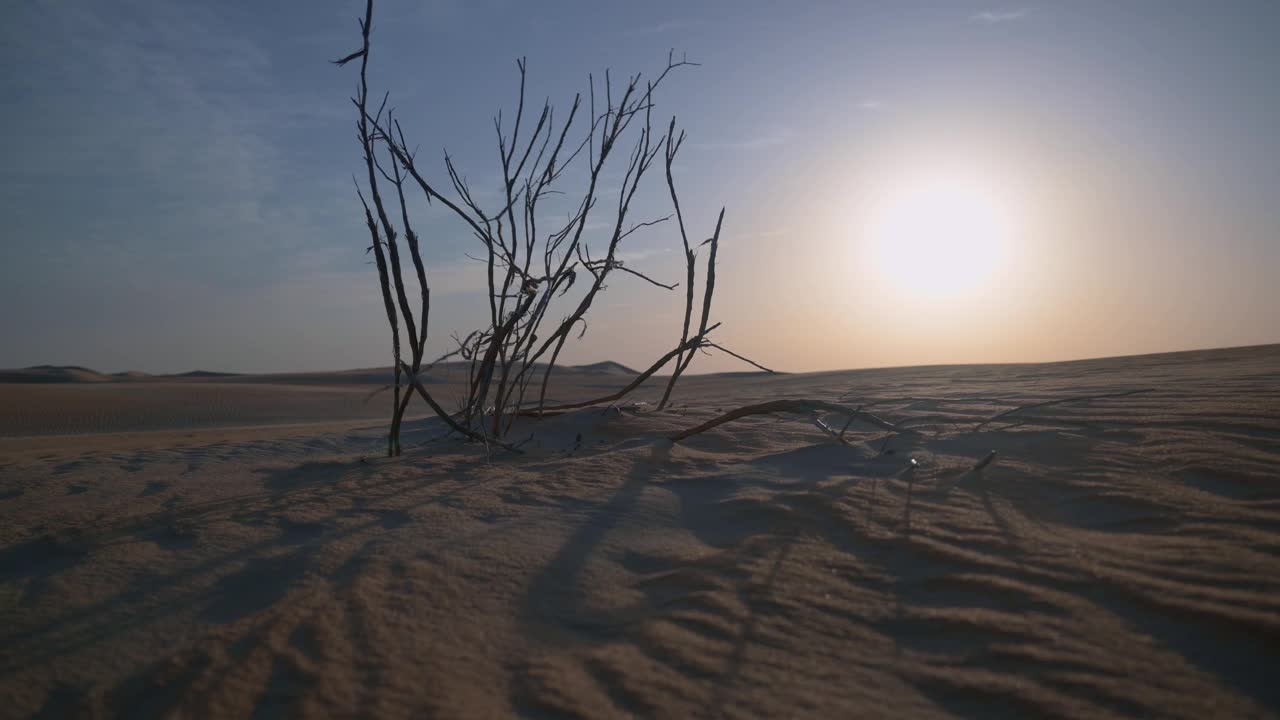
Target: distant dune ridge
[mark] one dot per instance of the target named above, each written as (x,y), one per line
(237,547)
(204,374)
(78,374)
(54,374)
(130,375)
(606,367)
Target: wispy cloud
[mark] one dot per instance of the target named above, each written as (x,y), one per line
(771,138)
(669,27)
(1001,16)
(462,275)
(766,234)
(873,105)
(638,255)
(170,137)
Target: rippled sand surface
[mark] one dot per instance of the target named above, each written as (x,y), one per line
(1118,557)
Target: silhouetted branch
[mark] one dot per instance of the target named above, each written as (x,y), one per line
(349,58)
(642,276)
(749,361)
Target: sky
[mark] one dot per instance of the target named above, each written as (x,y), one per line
(177,178)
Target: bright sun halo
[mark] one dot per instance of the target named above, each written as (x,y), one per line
(941,236)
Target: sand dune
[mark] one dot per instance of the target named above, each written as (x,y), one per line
(606,368)
(128,407)
(53,374)
(131,375)
(1119,558)
(221,401)
(448,372)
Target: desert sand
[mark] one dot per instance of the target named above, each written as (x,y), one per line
(235,547)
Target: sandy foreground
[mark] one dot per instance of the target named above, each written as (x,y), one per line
(226,549)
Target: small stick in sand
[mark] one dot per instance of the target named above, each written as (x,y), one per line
(747,360)
(823,426)
(990,458)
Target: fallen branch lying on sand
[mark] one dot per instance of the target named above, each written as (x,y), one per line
(824,427)
(1059,401)
(800,406)
(985,461)
(812,407)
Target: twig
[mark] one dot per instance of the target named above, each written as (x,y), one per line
(990,458)
(642,276)
(824,427)
(749,361)
(848,421)
(374,393)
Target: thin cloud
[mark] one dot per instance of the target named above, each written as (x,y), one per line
(635,256)
(770,139)
(164,133)
(1001,16)
(669,27)
(763,234)
(873,105)
(462,275)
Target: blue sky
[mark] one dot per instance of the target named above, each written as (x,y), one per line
(177,180)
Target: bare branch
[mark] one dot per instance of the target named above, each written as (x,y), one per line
(349,58)
(749,361)
(824,427)
(642,276)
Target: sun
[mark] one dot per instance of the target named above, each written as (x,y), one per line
(940,235)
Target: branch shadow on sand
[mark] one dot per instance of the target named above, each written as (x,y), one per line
(683,582)
(222,589)
(726,595)
(967,580)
